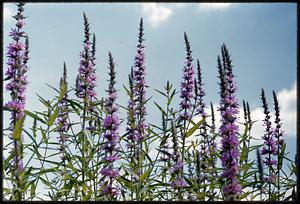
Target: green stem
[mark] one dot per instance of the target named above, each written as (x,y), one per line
(83,147)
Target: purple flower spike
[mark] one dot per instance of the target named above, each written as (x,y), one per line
(17,54)
(229,129)
(131,115)
(112,191)
(188,83)
(178,183)
(109,172)
(86,78)
(177,167)
(199,92)
(139,94)
(279,135)
(62,118)
(137,125)
(278,132)
(111,125)
(270,147)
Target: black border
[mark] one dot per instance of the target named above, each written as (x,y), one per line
(163,1)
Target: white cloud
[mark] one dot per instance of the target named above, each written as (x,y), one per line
(287,103)
(288,114)
(214,6)
(156,13)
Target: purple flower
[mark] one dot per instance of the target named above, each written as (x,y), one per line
(21,23)
(139,94)
(233,186)
(18,160)
(187,85)
(111,125)
(15,106)
(131,116)
(109,172)
(270,162)
(112,191)
(111,122)
(86,78)
(270,179)
(164,158)
(178,183)
(229,129)
(199,92)
(62,118)
(17,58)
(278,132)
(212,143)
(271,146)
(137,126)
(111,158)
(177,167)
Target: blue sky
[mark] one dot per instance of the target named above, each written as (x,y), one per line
(261,38)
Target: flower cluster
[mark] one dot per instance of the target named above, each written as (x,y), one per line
(139,94)
(187,85)
(200,105)
(229,128)
(177,167)
(111,126)
(212,141)
(199,92)
(17,54)
(131,115)
(86,78)
(278,131)
(62,118)
(270,147)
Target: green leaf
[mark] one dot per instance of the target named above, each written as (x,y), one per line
(194,128)
(34,116)
(246,131)
(201,196)
(125,181)
(53,117)
(129,172)
(7,160)
(63,90)
(18,128)
(47,183)
(245,195)
(131,119)
(44,136)
(70,165)
(43,171)
(52,88)
(127,91)
(280,156)
(145,175)
(32,190)
(162,93)
(160,108)
(244,153)
(171,97)
(89,137)
(46,103)
(74,104)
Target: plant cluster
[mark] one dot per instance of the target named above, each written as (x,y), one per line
(75,148)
